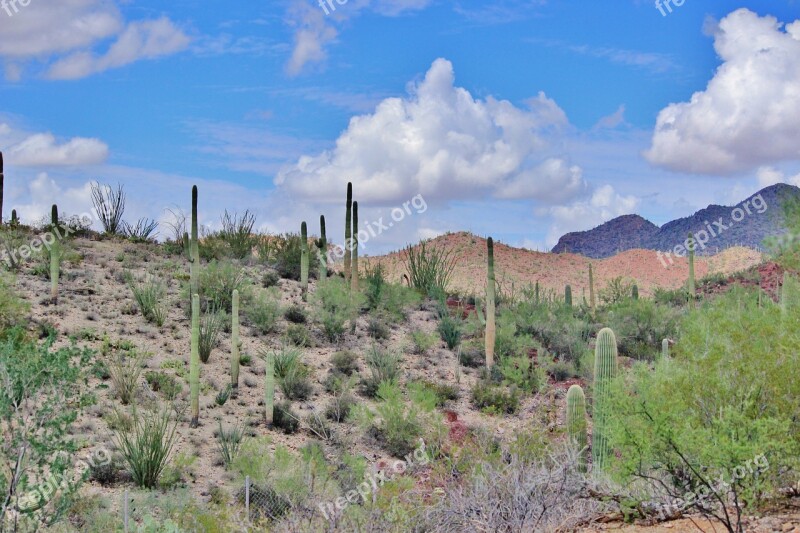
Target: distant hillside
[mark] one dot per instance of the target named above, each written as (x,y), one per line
(747,223)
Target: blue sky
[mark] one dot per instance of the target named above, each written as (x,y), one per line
(519,119)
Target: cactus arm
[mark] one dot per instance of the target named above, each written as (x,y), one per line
(491,331)
(348,231)
(354,259)
(479,312)
(323,249)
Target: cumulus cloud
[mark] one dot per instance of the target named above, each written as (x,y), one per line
(445,144)
(603,205)
(749,114)
(316,24)
(43,191)
(42,149)
(43,31)
(770,176)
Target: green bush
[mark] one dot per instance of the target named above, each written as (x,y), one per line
(149,296)
(237,233)
(449,329)
(163,383)
(229,441)
(384,366)
(345,362)
(727,395)
(443,391)
(270,279)
(217,281)
(521,374)
(641,325)
(334,305)
(429,269)
(211,325)
(12,309)
(563,333)
(494,399)
(396,425)
(377,329)
(262,314)
(146,446)
(295,314)
(287,256)
(298,335)
(284,418)
(422,341)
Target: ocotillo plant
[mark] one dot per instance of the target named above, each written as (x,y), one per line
(2,181)
(322,249)
(194,362)
(576,424)
(491,331)
(568,296)
(55,255)
(635,292)
(304,259)
(691,269)
(605,369)
(194,251)
(591,287)
(348,228)
(269,388)
(235,343)
(665,349)
(354,259)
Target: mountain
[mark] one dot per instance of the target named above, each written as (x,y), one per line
(716,228)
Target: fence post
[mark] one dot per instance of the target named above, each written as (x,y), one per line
(247,497)
(125,511)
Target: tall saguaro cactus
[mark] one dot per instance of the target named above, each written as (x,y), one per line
(605,369)
(236,344)
(591,287)
(322,246)
(14,219)
(568,296)
(491,331)
(194,362)
(576,424)
(691,269)
(354,262)
(269,388)
(348,229)
(55,255)
(665,349)
(635,292)
(304,259)
(194,251)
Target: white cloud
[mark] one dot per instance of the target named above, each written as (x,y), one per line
(443,143)
(604,204)
(316,26)
(613,120)
(749,114)
(42,149)
(43,31)
(140,40)
(770,176)
(42,192)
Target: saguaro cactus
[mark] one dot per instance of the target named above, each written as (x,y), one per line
(235,343)
(304,259)
(354,262)
(568,296)
(605,369)
(194,362)
(491,331)
(269,388)
(691,269)
(635,292)
(194,251)
(591,287)
(576,424)
(536,293)
(322,249)
(665,349)
(348,231)
(55,255)
(14,219)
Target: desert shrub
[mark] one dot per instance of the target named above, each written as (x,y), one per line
(422,341)
(383,365)
(472,356)
(106,473)
(295,384)
(229,442)
(675,298)
(109,204)
(295,314)
(449,329)
(562,333)
(163,383)
(377,329)
(429,269)
(270,279)
(12,309)
(286,359)
(211,324)
(284,418)
(125,366)
(146,446)
(149,296)
(640,325)
(287,256)
(374,284)
(494,399)
(298,335)
(263,312)
(218,280)
(334,306)
(618,290)
(443,391)
(561,371)
(237,233)
(521,374)
(345,362)
(724,402)
(145,230)
(223,395)
(342,403)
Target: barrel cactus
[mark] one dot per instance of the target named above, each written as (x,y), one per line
(605,369)
(576,424)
